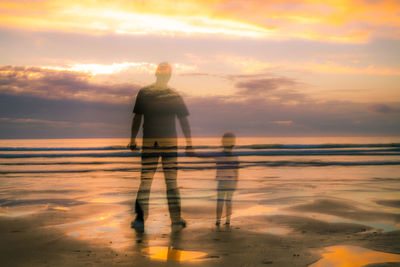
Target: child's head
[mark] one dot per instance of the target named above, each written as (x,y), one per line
(228,140)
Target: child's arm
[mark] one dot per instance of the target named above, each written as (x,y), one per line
(193,153)
(236,169)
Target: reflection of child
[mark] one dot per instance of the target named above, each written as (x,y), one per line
(227,176)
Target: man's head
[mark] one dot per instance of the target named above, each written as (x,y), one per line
(228,140)
(163,72)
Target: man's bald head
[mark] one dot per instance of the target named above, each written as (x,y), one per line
(164,68)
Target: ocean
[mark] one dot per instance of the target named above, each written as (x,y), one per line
(276,174)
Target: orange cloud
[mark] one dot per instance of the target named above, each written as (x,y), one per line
(121,18)
(252,65)
(331,20)
(137,67)
(337,68)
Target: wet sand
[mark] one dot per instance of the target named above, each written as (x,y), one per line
(98,234)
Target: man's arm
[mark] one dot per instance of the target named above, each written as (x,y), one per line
(186,130)
(136,122)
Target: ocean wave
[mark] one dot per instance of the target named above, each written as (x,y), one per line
(304,152)
(71,171)
(254,146)
(317,163)
(320,146)
(203,162)
(200,166)
(72,155)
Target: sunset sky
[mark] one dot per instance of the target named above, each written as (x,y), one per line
(71,69)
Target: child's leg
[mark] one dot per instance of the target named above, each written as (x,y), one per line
(228,200)
(220,202)
(228,206)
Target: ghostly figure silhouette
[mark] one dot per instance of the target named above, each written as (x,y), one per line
(227,177)
(159,107)
(227,165)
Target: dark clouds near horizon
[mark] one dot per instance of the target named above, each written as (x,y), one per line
(56,84)
(38,103)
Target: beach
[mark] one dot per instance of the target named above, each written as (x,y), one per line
(299,203)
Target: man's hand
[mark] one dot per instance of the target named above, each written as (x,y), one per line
(132,145)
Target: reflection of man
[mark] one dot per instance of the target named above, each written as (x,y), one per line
(159,106)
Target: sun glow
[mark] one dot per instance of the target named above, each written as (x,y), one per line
(133,23)
(106,69)
(332,21)
(100,20)
(96,69)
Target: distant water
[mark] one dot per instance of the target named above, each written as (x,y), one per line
(89,155)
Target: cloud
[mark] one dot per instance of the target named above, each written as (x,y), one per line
(33,128)
(43,103)
(266,86)
(262,86)
(266,117)
(234,77)
(121,18)
(54,122)
(330,21)
(27,120)
(95,69)
(194,74)
(283,123)
(34,117)
(331,67)
(247,65)
(383,109)
(135,67)
(251,65)
(55,84)
(280,90)
(24,116)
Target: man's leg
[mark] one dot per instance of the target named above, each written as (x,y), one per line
(149,167)
(170,167)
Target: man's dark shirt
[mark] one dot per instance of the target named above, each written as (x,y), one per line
(159,107)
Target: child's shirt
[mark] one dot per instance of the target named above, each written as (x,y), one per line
(227,166)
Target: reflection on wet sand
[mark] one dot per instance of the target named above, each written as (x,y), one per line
(171,254)
(352,256)
(255,211)
(105,228)
(59,208)
(278,230)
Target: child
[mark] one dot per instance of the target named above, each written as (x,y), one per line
(226,176)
